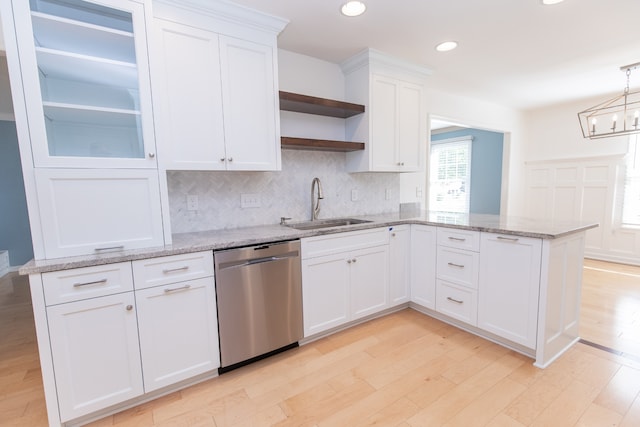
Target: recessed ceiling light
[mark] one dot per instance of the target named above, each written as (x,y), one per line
(548,2)
(353,8)
(446,46)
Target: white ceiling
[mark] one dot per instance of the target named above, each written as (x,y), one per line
(512,52)
(517,53)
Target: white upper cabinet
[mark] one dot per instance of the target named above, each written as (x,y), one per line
(188,98)
(86,82)
(394,125)
(250,105)
(215,89)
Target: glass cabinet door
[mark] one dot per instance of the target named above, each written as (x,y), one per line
(86,71)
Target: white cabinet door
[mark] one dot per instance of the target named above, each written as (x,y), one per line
(399,264)
(508,289)
(96,358)
(178,331)
(412,127)
(423,265)
(90,211)
(85,80)
(250,105)
(325,292)
(188,96)
(369,284)
(384,123)
(398,126)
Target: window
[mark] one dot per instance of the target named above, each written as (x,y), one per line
(450,175)
(631,201)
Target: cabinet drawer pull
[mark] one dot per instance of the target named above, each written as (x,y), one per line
(457,301)
(174,270)
(95,282)
(508,239)
(451,264)
(182,288)
(110,248)
(129,307)
(458,239)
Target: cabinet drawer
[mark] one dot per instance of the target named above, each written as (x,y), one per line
(461,239)
(458,266)
(170,269)
(457,302)
(343,242)
(88,282)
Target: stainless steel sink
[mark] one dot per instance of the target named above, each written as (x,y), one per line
(326,223)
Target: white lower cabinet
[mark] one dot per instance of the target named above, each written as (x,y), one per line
(457,274)
(325,293)
(399,264)
(178,331)
(344,277)
(509,285)
(423,265)
(96,358)
(369,281)
(457,301)
(112,325)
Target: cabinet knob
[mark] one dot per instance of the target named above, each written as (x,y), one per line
(222,159)
(400,163)
(354,260)
(348,261)
(152,155)
(230,159)
(393,234)
(129,307)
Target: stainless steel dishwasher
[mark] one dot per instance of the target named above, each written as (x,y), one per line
(259,296)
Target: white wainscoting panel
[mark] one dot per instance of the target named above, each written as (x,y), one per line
(584,189)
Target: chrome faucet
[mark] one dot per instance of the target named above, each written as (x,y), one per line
(315,201)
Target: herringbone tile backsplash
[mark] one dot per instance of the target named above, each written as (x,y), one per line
(286,193)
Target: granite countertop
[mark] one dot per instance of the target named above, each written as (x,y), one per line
(246,236)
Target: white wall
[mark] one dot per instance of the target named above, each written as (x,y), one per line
(569,177)
(310,76)
(554,133)
(481,115)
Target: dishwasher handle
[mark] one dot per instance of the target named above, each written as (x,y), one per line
(253,261)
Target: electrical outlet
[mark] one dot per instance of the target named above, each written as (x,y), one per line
(354,195)
(192,202)
(250,200)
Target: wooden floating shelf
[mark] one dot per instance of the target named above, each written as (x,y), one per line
(319,144)
(319,106)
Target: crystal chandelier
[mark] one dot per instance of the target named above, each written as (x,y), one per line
(615,117)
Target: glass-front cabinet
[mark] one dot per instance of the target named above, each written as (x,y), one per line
(86,82)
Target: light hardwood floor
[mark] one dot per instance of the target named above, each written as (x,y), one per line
(610,310)
(405,369)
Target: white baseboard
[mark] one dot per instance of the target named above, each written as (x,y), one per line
(612,258)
